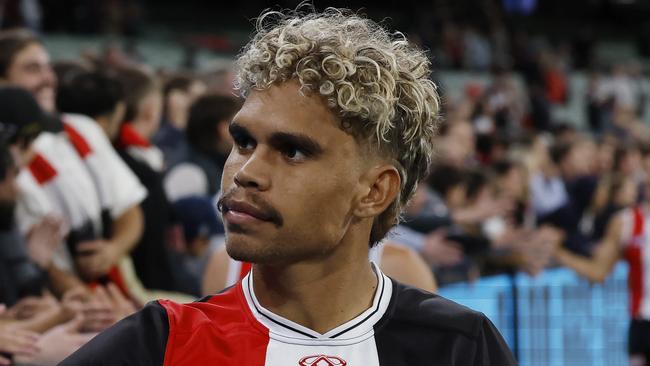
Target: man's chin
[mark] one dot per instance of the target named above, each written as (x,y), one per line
(251,251)
(242,249)
(46,99)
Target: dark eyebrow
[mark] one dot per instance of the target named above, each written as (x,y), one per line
(282,140)
(309,146)
(236,129)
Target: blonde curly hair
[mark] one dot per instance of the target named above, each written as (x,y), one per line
(375,81)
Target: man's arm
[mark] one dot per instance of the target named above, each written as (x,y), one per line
(127,230)
(604,257)
(61,281)
(100,255)
(406,266)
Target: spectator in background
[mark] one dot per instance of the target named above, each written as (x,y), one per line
(76,174)
(81,184)
(505,103)
(101,96)
(143,101)
(598,107)
(24,62)
(179,92)
(26,263)
(200,223)
(220,80)
(458,143)
(96,95)
(209,143)
(477,50)
(23,266)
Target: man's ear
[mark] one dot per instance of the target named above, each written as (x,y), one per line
(382,186)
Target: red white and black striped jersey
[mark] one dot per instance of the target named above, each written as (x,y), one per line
(636,251)
(404,326)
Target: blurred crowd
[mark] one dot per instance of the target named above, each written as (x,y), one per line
(109,172)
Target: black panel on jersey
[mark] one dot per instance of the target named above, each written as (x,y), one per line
(139,339)
(420,328)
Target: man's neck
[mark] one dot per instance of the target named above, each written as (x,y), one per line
(318,295)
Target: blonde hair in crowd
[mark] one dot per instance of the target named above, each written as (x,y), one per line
(375,81)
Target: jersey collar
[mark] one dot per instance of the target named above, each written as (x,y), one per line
(362,325)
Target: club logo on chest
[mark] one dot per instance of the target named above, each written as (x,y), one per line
(322,360)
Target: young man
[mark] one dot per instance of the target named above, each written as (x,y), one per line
(335,134)
(179,93)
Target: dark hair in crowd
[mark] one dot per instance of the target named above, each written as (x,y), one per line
(205,114)
(502,167)
(11,43)
(181,82)
(445,177)
(137,84)
(6,161)
(92,93)
(475,181)
(560,151)
(66,70)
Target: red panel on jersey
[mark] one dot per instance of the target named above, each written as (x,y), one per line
(244,269)
(130,137)
(221,331)
(79,142)
(634,256)
(41,169)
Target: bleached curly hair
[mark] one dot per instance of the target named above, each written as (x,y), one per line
(375,81)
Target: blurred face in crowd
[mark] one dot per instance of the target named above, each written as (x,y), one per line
(580,159)
(112,122)
(150,112)
(605,157)
(31,70)
(179,102)
(459,143)
(294,179)
(627,194)
(512,184)
(8,187)
(646,164)
(631,162)
(456,197)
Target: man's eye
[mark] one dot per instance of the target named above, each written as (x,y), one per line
(244,143)
(294,153)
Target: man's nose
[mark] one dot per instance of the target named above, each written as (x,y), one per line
(255,172)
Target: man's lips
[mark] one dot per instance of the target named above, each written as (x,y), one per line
(242,212)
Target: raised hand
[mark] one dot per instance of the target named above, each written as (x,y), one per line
(17,342)
(44,239)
